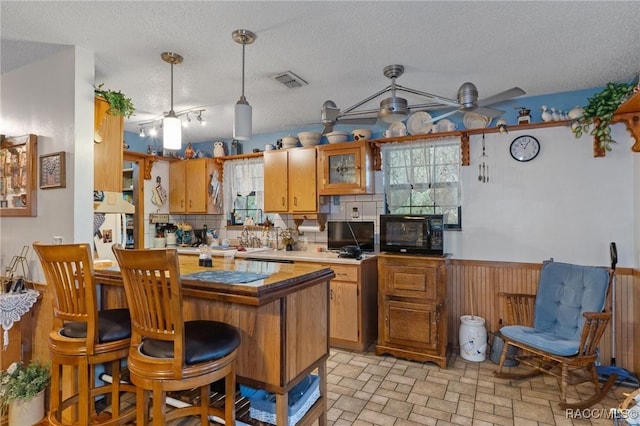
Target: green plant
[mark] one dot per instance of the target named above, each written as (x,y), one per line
(21,381)
(599,112)
(119,104)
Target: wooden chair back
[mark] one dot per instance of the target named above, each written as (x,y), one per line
(152,286)
(68,269)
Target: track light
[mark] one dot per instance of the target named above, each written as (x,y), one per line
(242,113)
(171,127)
(184,118)
(200,119)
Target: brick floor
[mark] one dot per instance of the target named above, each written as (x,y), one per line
(365,389)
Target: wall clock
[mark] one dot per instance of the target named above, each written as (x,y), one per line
(525,148)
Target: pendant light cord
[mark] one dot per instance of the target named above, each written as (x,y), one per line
(171,89)
(243,46)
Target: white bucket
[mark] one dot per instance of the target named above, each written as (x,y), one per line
(473,338)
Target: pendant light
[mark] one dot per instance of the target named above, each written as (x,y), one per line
(171,126)
(242,112)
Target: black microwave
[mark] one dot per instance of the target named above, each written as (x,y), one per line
(412,233)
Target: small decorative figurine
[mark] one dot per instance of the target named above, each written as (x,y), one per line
(524,115)
(189,152)
(218,149)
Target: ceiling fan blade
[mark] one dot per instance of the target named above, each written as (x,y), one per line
(359,120)
(502,96)
(488,112)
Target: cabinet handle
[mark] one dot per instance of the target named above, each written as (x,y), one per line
(181,203)
(295,201)
(331,292)
(189,203)
(282,201)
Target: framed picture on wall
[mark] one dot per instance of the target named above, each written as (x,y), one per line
(52,170)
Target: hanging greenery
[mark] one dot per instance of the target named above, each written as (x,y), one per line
(119,104)
(599,112)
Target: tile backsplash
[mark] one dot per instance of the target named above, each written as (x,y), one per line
(357,208)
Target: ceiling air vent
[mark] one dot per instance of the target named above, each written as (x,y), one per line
(290,80)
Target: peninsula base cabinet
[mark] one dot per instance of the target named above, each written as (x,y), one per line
(353,307)
(412,318)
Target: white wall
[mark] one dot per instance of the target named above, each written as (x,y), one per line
(564,204)
(52,98)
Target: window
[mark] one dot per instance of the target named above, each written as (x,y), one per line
(423,177)
(244,189)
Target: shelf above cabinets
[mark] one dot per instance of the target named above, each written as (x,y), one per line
(462,134)
(629,114)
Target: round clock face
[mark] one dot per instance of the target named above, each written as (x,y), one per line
(525,148)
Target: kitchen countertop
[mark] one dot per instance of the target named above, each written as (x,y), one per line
(283,255)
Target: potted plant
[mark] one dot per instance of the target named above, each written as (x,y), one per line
(599,112)
(119,104)
(22,392)
(288,238)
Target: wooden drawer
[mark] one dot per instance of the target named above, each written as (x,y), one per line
(410,281)
(344,272)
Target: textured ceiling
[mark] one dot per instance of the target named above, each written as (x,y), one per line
(340,48)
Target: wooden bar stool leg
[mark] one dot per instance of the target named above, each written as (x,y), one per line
(230,389)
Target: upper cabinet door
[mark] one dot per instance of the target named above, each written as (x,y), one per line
(107,150)
(276,195)
(345,168)
(177,186)
(303,193)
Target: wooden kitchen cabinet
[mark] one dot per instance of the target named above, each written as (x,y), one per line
(353,305)
(290,181)
(189,183)
(107,149)
(345,168)
(412,318)
(276,186)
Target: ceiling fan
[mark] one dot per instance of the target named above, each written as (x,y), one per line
(395,108)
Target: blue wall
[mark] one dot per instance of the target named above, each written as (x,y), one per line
(563,101)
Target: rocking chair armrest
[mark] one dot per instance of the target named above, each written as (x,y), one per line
(518,307)
(593,329)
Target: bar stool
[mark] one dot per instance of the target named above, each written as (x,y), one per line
(82,338)
(168,353)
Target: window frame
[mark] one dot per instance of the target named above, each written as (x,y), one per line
(428,146)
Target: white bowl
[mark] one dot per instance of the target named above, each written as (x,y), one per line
(361,134)
(289,142)
(309,138)
(337,137)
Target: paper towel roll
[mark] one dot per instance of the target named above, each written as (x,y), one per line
(305,229)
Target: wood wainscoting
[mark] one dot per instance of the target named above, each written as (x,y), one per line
(480,281)
(486,278)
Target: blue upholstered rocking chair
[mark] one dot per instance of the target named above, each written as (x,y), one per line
(558,330)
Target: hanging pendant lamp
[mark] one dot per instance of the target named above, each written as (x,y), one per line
(171,126)
(242,112)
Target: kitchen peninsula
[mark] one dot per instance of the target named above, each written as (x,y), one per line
(282,317)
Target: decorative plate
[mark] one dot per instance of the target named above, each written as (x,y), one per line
(445,125)
(419,123)
(473,120)
(396,129)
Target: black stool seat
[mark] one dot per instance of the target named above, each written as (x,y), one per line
(113,324)
(204,341)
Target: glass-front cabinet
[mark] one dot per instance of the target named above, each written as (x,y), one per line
(345,168)
(18,176)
